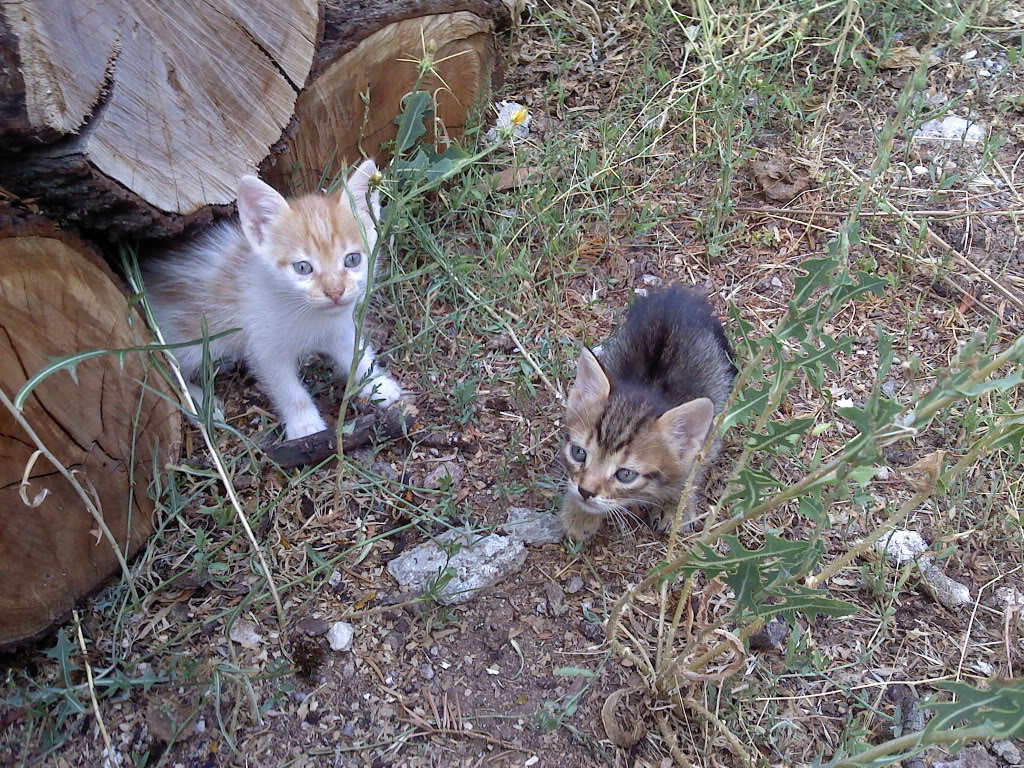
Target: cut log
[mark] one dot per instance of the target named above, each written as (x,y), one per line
(137,118)
(349,106)
(58,298)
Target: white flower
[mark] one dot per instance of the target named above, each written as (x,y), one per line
(513,122)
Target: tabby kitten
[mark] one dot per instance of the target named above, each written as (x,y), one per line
(637,418)
(289,274)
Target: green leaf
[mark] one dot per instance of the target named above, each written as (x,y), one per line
(62,653)
(750,403)
(575,672)
(1007,382)
(1000,709)
(410,122)
(819,272)
(807,602)
(885,353)
(746,583)
(752,486)
(780,436)
(70,362)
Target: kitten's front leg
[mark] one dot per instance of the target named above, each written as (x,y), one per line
(280,380)
(578,524)
(381,388)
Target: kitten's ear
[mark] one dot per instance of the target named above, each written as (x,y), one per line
(258,205)
(686,426)
(591,381)
(359,183)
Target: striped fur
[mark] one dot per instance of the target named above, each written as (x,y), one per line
(644,408)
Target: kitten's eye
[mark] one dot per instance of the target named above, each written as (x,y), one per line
(577,453)
(303,267)
(353,259)
(626,475)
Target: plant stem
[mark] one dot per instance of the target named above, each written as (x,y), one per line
(900,748)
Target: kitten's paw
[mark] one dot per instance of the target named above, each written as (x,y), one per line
(578,524)
(661,520)
(304,426)
(383,391)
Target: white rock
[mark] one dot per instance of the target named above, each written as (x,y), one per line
(1008,751)
(447,473)
(901,546)
(532,527)
(904,546)
(244,633)
(920,170)
(952,128)
(340,636)
(478,562)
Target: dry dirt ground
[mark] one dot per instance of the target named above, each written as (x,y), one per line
(518,676)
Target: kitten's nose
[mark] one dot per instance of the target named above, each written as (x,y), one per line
(335,296)
(584,493)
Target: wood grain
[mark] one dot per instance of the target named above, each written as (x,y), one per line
(57,298)
(198,93)
(335,123)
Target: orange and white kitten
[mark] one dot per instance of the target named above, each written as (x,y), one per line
(288,274)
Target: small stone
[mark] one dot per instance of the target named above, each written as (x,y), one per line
(1008,751)
(920,170)
(348,730)
(476,562)
(882,473)
(335,580)
(972,757)
(575,585)
(313,627)
(444,475)
(770,635)
(556,599)
(426,671)
(349,670)
(952,129)
(340,636)
(902,546)
(652,280)
(244,633)
(776,282)
(532,527)
(889,388)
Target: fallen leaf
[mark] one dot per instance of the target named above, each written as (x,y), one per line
(779,179)
(907,57)
(612,714)
(924,474)
(510,178)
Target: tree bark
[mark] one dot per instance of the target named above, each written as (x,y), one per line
(58,297)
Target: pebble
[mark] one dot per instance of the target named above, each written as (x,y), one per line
(480,563)
(1008,751)
(340,636)
(445,475)
(575,585)
(426,671)
(244,633)
(532,527)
